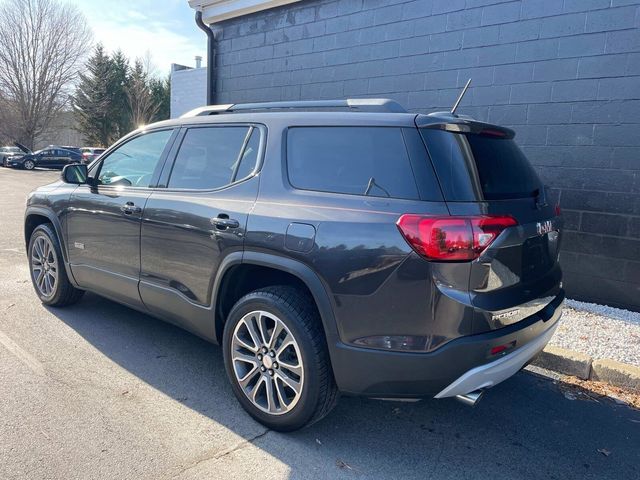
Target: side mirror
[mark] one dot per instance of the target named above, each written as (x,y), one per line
(75,173)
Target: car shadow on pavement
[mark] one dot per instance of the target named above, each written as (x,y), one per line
(523,428)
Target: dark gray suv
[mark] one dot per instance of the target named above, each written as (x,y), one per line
(334,246)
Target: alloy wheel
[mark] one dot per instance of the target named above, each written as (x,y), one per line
(267,362)
(29,165)
(44,266)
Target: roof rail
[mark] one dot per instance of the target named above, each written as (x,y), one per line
(359,104)
(207,110)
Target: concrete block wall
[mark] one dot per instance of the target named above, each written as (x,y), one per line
(565,74)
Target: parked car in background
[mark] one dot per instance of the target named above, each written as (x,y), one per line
(70,148)
(89,154)
(50,157)
(6,152)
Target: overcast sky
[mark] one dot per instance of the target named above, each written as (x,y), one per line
(166,28)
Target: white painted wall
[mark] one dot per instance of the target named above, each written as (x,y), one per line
(188,90)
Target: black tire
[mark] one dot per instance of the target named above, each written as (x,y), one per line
(64,293)
(297,311)
(29,165)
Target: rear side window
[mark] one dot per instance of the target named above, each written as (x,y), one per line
(353,160)
(472,167)
(213,157)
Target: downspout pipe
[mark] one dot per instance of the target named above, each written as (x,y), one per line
(211,82)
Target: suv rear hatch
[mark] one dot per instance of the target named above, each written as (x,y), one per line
(482,172)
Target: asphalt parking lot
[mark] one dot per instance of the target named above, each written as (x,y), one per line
(101,391)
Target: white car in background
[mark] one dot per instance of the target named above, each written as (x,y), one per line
(6,152)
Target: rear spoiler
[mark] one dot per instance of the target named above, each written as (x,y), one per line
(462,124)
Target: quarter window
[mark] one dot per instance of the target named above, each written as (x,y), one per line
(134,163)
(369,161)
(213,157)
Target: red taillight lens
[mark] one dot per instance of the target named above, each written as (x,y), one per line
(449,239)
(558,210)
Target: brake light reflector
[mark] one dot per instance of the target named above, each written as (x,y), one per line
(489,132)
(502,348)
(450,239)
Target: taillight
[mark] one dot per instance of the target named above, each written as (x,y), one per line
(558,210)
(450,239)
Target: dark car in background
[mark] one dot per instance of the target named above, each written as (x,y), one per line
(70,148)
(50,157)
(370,251)
(89,154)
(9,151)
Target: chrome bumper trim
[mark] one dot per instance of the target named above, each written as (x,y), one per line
(486,376)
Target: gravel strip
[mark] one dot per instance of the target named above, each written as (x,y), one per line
(600,331)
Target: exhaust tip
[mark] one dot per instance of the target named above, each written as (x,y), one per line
(470,398)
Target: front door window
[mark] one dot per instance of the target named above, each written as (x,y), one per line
(133,164)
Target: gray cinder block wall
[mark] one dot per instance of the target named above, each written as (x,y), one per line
(565,74)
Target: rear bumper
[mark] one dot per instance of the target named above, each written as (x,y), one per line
(459,367)
(486,376)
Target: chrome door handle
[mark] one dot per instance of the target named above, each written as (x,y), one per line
(222,223)
(129,208)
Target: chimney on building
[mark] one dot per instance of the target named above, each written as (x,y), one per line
(198,61)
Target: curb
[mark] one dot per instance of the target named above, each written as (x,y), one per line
(576,364)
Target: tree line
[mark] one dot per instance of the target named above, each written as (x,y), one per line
(113,98)
(44,71)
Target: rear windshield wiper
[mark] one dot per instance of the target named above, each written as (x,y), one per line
(372,183)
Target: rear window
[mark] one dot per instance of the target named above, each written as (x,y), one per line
(369,161)
(474,167)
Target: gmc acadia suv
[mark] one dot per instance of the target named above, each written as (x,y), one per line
(331,246)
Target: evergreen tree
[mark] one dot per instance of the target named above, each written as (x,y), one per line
(113,98)
(119,87)
(92,99)
(161,93)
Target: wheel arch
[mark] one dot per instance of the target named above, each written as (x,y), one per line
(36,216)
(232,283)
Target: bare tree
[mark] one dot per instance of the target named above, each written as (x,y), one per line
(42,46)
(142,103)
